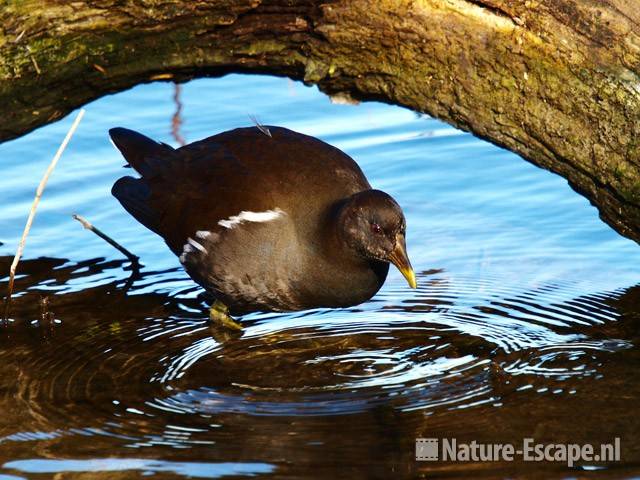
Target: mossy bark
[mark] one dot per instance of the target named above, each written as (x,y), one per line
(556,81)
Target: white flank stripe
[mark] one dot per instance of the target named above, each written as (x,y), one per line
(195,244)
(251,217)
(202,234)
(186,250)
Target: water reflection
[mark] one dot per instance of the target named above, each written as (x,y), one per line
(147,467)
(139,370)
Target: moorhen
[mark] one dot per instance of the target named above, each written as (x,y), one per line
(265,218)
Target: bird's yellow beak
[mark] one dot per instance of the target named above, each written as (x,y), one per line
(400,259)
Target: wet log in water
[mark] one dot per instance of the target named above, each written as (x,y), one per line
(555,81)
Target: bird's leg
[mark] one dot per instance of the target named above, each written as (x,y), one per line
(219,315)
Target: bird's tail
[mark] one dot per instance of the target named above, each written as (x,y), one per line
(145,155)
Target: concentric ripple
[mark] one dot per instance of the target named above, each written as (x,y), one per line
(157,372)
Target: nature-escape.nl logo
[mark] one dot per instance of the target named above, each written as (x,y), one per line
(430,449)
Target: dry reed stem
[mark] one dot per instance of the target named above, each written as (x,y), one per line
(32,213)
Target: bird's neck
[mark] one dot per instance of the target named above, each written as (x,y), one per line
(336,248)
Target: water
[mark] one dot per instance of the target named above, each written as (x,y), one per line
(525,322)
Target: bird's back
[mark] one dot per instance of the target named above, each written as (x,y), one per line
(238,170)
(198,197)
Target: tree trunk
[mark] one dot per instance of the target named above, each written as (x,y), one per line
(555,81)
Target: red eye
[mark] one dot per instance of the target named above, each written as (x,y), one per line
(375,228)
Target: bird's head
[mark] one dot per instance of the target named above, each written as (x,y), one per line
(372,224)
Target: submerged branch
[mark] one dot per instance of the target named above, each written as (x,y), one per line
(134,259)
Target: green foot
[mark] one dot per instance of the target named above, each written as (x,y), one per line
(219,315)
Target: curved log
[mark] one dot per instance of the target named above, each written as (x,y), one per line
(555,81)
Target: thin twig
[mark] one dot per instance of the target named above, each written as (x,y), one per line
(134,259)
(32,213)
(33,60)
(19,37)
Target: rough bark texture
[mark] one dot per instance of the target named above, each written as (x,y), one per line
(556,81)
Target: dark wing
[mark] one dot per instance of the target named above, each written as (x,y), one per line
(194,187)
(180,191)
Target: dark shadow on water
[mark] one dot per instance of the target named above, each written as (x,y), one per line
(137,374)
